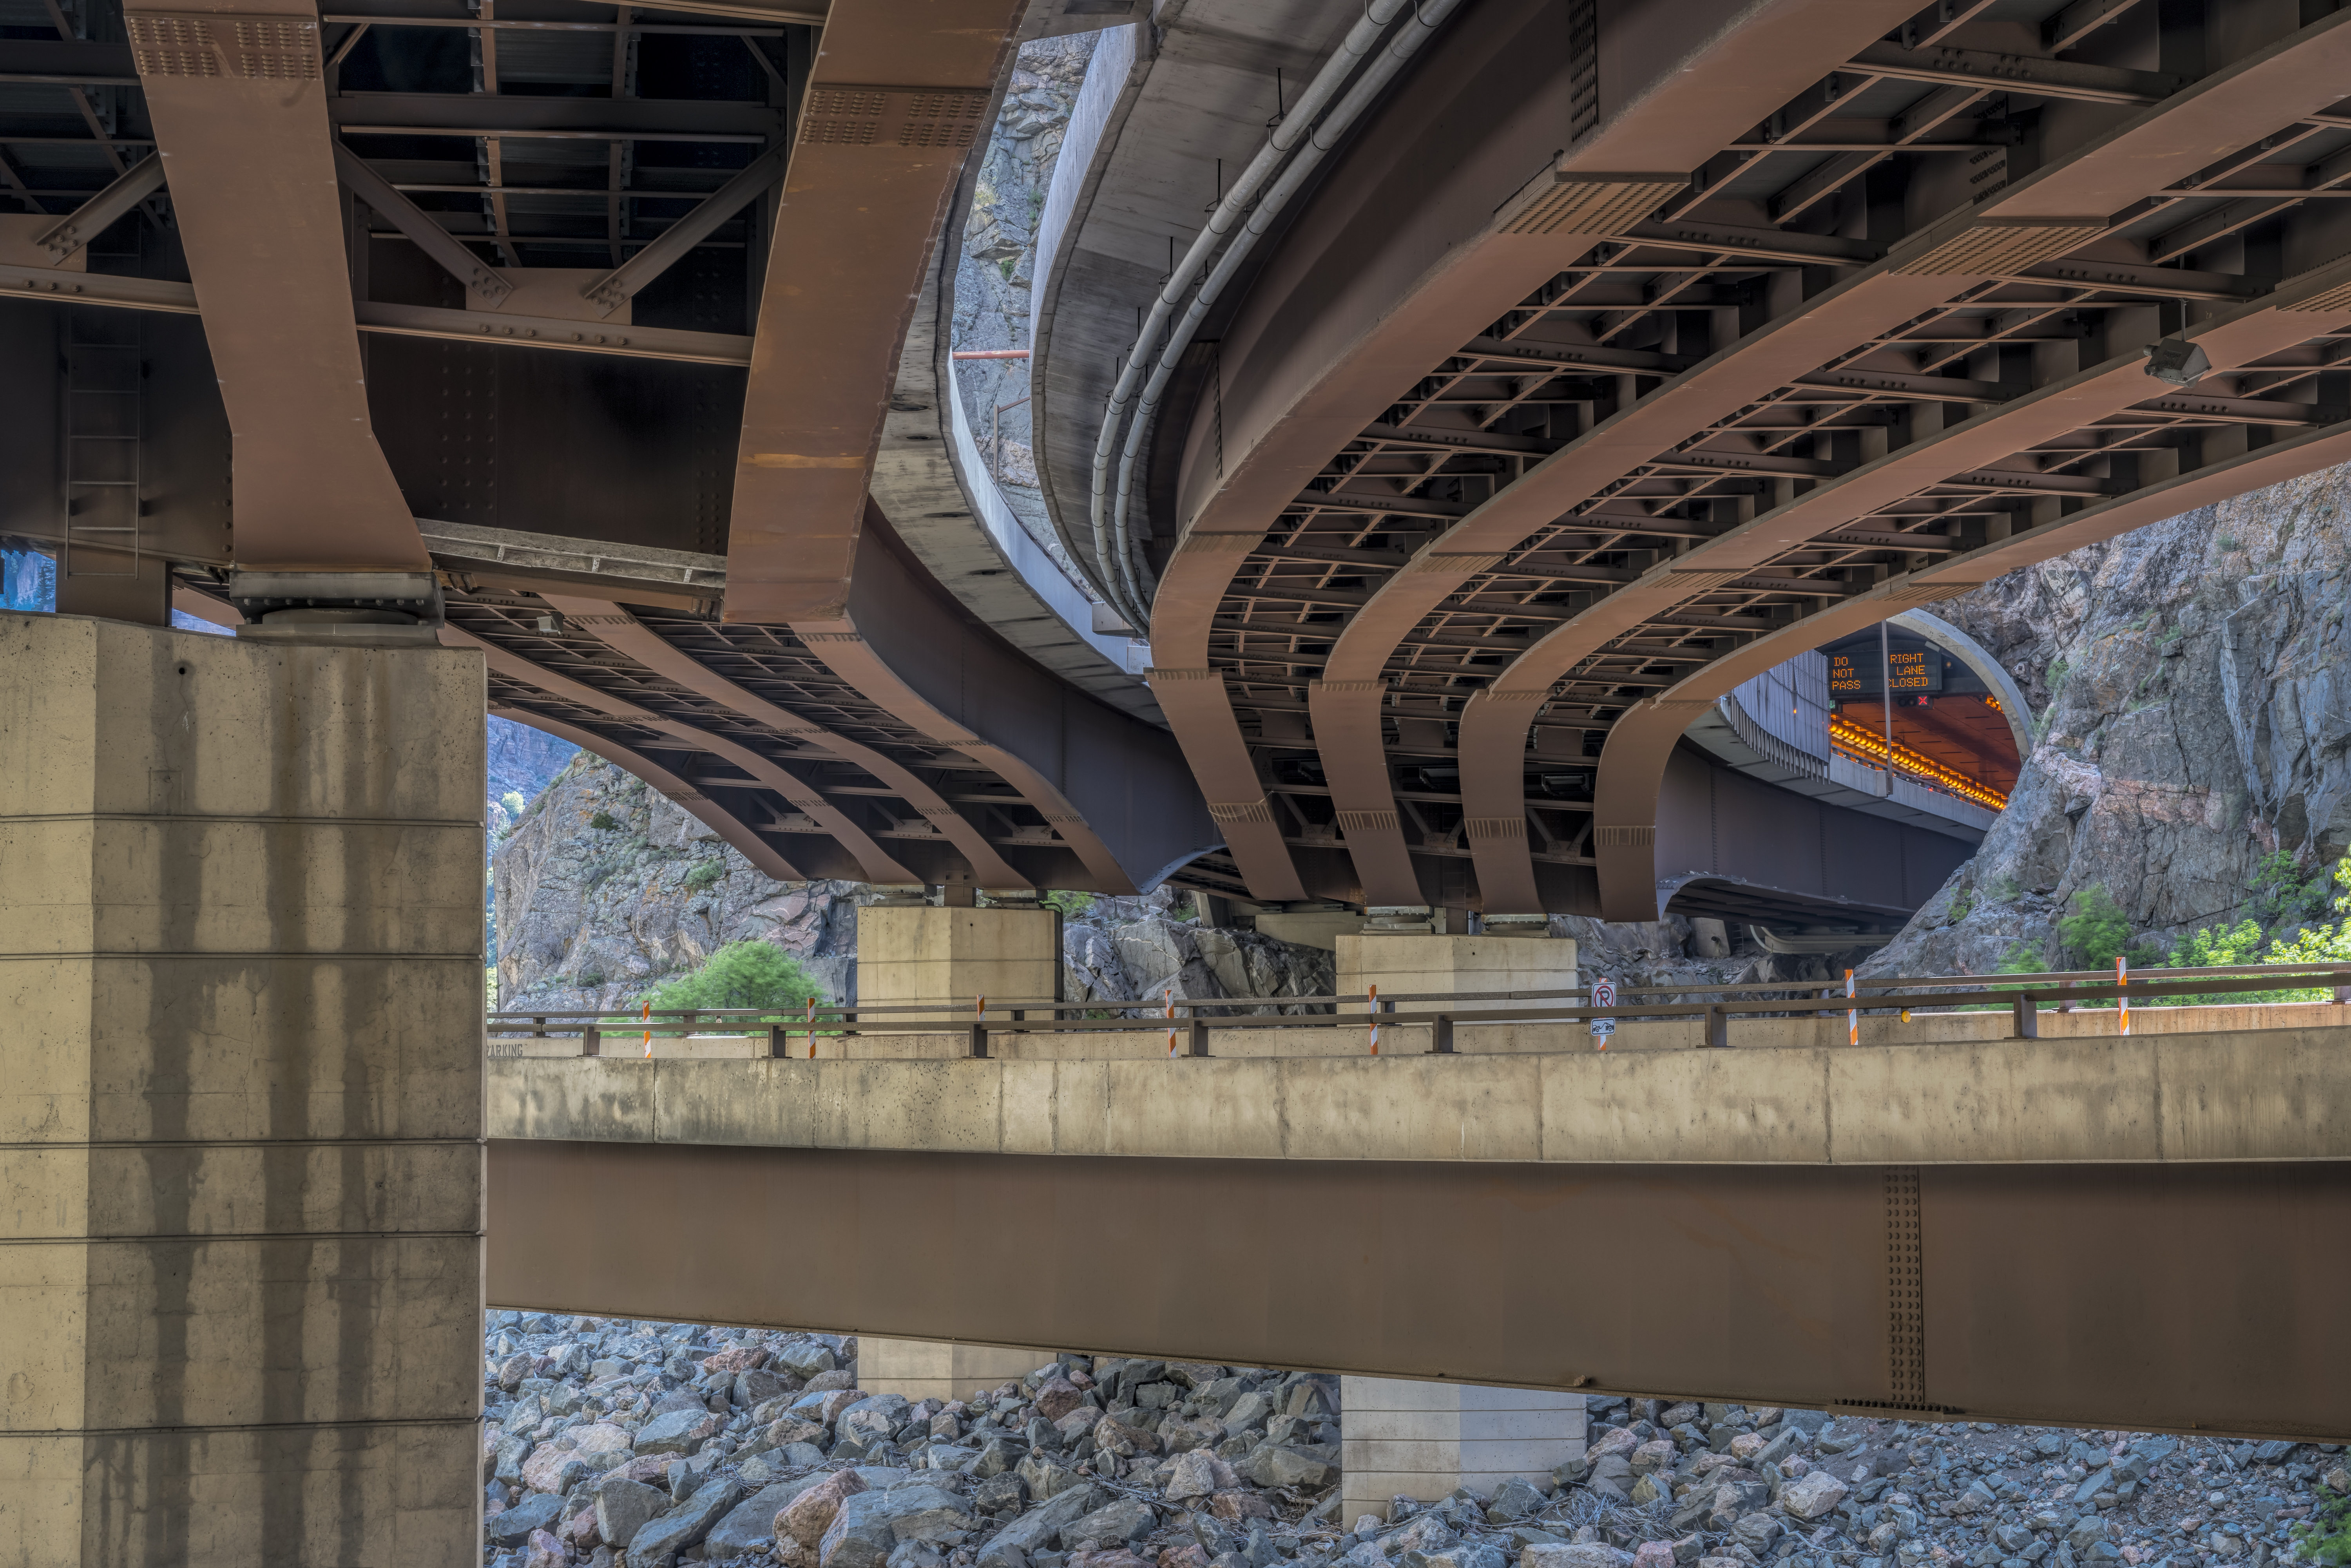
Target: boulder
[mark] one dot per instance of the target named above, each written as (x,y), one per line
(551,1468)
(684,1525)
(860,1535)
(929,1513)
(1124,1519)
(1287,1465)
(540,1510)
(1194,1475)
(735,1358)
(1045,1479)
(679,1432)
(1812,1496)
(804,1358)
(754,1519)
(545,1551)
(1578,1554)
(623,1508)
(1036,1529)
(1056,1398)
(810,1514)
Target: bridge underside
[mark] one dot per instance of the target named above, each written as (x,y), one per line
(2181,1298)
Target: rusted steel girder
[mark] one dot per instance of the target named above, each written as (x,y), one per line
(1479,115)
(2181,1297)
(762,854)
(2042,215)
(896,101)
(239,108)
(624,632)
(2163,144)
(866,860)
(1632,762)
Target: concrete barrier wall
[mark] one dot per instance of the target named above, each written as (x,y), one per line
(2252,1095)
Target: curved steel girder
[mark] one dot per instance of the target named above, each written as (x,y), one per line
(1357,305)
(1494,724)
(1638,747)
(854,229)
(872,862)
(1100,778)
(693,802)
(613,626)
(2165,143)
(253,181)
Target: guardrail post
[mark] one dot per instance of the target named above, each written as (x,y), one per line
(1440,1035)
(1199,1035)
(980,1039)
(779,1043)
(2342,995)
(2028,1017)
(591,1040)
(1717,1028)
(540,1031)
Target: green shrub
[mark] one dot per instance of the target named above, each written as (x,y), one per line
(514,803)
(1071,905)
(2282,895)
(1962,902)
(602,822)
(705,875)
(749,974)
(2325,1538)
(2098,932)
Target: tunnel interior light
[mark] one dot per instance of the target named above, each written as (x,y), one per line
(1874,749)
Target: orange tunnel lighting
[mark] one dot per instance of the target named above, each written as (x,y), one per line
(1874,747)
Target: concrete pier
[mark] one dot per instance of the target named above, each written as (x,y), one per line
(1420,1440)
(240,1175)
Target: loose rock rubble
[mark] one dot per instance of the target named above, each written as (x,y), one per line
(1714,1484)
(635,1444)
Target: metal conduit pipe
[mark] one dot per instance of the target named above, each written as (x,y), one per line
(1361,41)
(1409,38)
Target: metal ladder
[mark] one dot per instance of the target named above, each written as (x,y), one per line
(103,423)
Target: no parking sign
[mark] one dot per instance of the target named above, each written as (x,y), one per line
(1604,995)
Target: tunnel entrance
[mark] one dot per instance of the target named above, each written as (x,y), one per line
(1904,704)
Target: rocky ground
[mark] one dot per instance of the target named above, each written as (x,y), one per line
(615,1444)
(2192,687)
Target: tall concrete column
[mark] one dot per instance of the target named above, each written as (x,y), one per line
(240,1168)
(935,1369)
(923,953)
(1399,1438)
(1425,964)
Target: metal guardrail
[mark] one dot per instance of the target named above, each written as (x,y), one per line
(2023,995)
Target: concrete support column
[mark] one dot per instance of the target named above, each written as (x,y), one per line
(1421,1440)
(1421,964)
(923,953)
(240,1168)
(936,1369)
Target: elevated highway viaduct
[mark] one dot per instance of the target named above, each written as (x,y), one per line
(1441,414)
(2087,1230)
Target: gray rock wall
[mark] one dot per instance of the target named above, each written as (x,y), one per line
(2195,714)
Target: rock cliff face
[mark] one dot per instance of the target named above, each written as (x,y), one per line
(591,916)
(2195,714)
(996,268)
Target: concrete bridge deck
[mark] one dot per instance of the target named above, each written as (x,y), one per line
(2090,1231)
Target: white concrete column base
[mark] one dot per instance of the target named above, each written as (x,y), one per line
(938,1369)
(1420,964)
(1420,1440)
(918,953)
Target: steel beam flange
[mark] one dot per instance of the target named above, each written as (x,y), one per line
(339,606)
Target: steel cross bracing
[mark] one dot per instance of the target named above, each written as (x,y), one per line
(1808,389)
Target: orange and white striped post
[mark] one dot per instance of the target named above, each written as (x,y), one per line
(1375,1021)
(648,1017)
(812,1027)
(2122,977)
(1167,1000)
(1852,1015)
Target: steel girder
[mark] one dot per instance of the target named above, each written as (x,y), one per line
(1567,470)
